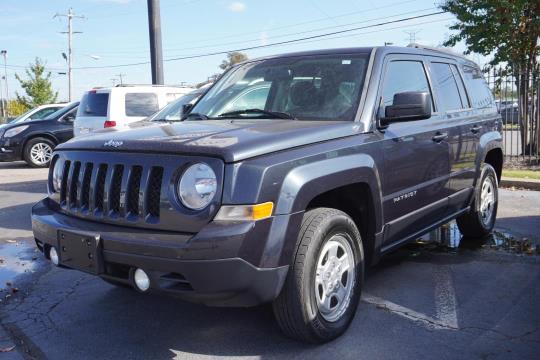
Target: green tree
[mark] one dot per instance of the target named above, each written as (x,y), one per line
(233,58)
(38,86)
(508,29)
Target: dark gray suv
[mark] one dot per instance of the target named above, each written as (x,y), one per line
(287,178)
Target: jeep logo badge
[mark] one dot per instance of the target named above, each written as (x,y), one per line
(113,143)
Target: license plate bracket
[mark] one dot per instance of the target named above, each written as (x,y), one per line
(81,251)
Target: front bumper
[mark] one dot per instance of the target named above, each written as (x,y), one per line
(207,267)
(8,153)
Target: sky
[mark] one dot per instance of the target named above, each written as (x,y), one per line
(115,32)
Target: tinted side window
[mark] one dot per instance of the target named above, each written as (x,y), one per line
(141,104)
(447,88)
(404,76)
(94,104)
(461,86)
(478,90)
(43,113)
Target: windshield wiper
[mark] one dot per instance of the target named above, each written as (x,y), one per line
(165,120)
(199,116)
(273,114)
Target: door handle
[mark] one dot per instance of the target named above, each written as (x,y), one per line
(476,129)
(438,137)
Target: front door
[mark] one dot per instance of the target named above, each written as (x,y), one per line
(416,154)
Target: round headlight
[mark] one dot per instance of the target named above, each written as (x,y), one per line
(197,186)
(57,176)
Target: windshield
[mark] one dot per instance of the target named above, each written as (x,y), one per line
(317,87)
(58,113)
(21,117)
(173,111)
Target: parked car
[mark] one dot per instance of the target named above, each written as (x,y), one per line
(175,110)
(39,112)
(34,140)
(121,105)
(286,193)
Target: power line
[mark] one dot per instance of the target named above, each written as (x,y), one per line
(271,44)
(306,31)
(288,34)
(236,35)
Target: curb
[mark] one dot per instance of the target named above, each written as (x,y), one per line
(528,184)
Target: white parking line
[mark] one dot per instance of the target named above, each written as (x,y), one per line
(445,296)
(445,303)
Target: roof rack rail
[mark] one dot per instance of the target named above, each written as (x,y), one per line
(152,85)
(437,49)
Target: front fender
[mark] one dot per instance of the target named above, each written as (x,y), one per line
(305,182)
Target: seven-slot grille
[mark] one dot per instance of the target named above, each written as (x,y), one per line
(113,191)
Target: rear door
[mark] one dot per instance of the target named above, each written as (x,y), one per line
(92,113)
(416,155)
(459,118)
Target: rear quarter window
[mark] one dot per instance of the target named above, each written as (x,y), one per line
(141,104)
(477,87)
(94,104)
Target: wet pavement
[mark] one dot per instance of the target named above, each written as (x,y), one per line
(441,297)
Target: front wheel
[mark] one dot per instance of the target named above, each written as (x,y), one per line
(38,152)
(322,289)
(480,219)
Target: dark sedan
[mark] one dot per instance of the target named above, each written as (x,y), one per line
(34,141)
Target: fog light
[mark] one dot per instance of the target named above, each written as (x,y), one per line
(142,281)
(53,255)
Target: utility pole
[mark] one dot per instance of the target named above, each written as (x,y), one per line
(70,16)
(412,35)
(121,77)
(4,54)
(156,53)
(2,100)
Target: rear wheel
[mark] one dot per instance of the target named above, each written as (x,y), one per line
(480,220)
(38,152)
(322,289)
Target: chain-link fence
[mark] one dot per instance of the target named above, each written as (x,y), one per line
(517,97)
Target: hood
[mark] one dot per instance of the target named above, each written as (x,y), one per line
(231,140)
(26,122)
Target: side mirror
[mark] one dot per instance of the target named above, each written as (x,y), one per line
(68,118)
(186,108)
(408,106)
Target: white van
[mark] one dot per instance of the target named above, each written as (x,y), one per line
(123,104)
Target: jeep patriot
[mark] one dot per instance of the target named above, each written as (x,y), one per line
(288,177)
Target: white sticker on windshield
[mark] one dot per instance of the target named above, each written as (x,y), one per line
(346,62)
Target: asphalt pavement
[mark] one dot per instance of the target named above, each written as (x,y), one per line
(432,299)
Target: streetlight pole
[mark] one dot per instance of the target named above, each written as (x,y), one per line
(4,54)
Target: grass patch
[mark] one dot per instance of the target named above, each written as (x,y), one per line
(522,174)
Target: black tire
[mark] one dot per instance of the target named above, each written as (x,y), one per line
(30,160)
(475,224)
(296,308)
